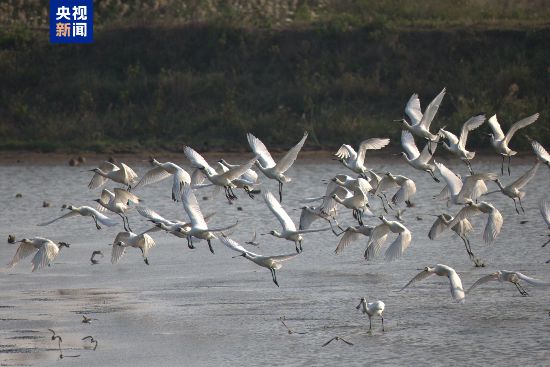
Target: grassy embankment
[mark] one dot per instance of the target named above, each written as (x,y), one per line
(206,73)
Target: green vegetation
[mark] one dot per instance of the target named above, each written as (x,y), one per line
(206,72)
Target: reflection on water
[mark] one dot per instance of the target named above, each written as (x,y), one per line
(190,307)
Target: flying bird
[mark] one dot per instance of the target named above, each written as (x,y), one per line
(540,152)
(379,235)
(118,203)
(513,190)
(142,241)
(94,254)
(500,142)
(162,171)
(355,161)
(442,270)
(46,252)
(337,338)
(267,165)
(414,158)
(85,211)
(513,277)
(494,221)
(120,173)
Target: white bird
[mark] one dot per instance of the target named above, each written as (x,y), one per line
(247,181)
(513,190)
(289,231)
(442,270)
(462,192)
(372,309)
(85,211)
(174,227)
(352,234)
(120,173)
(509,276)
(273,263)
(310,214)
(461,228)
(199,229)
(355,161)
(500,142)
(414,158)
(162,171)
(46,251)
(118,203)
(267,165)
(357,199)
(545,212)
(418,123)
(378,238)
(407,188)
(142,241)
(540,152)
(456,145)
(494,221)
(223,179)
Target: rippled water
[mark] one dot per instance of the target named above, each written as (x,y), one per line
(192,308)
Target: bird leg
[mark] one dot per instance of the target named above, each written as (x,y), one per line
(280,192)
(190,242)
(301,249)
(429,147)
(502,167)
(333,230)
(387,201)
(123,221)
(433,176)
(467,161)
(297,248)
(95,220)
(247,190)
(383,204)
(521,205)
(233,196)
(210,246)
(515,205)
(370,323)
(521,290)
(509,159)
(274,277)
(546,243)
(128,223)
(382,322)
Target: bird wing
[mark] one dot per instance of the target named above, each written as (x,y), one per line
(526,177)
(72,213)
(373,143)
(102,218)
(220,230)
(377,238)
(130,174)
(484,279)
(457,291)
(118,251)
(286,162)
(346,239)
(197,160)
(474,186)
(152,176)
(465,213)
(412,109)
(520,125)
(540,151)
(431,110)
(327,343)
(152,215)
(98,180)
(345,152)
(235,246)
(448,135)
(472,123)
(24,250)
(279,212)
(425,156)
(438,227)
(407,190)
(197,177)
(408,144)
(494,224)
(259,149)
(181,177)
(444,194)
(106,197)
(545,210)
(45,255)
(495,126)
(362,186)
(398,247)
(192,208)
(307,217)
(279,258)
(532,281)
(237,171)
(453,182)
(124,196)
(418,277)
(145,242)
(385,184)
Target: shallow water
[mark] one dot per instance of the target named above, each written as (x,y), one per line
(192,308)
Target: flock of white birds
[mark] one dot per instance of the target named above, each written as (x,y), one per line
(343,192)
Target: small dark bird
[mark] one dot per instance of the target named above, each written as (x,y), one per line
(290,331)
(87,320)
(92,340)
(11,238)
(253,241)
(337,338)
(96,252)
